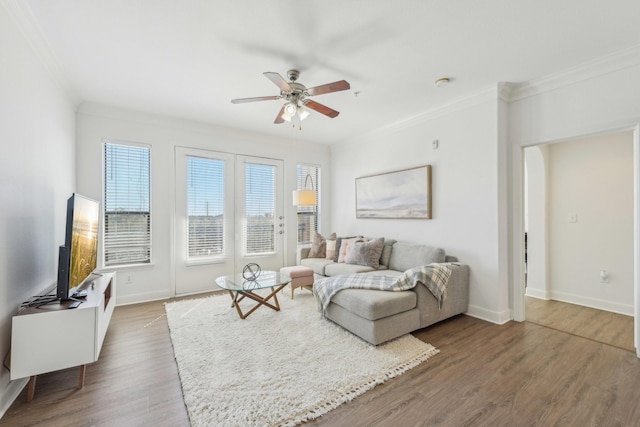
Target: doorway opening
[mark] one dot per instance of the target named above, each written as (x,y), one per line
(579,228)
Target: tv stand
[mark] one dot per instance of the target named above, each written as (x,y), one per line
(51,337)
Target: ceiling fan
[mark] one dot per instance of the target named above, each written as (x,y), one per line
(296,95)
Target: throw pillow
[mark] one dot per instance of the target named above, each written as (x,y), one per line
(344,247)
(318,247)
(386,252)
(331,246)
(338,245)
(365,253)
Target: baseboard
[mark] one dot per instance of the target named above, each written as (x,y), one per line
(11,393)
(537,293)
(140,298)
(612,306)
(497,317)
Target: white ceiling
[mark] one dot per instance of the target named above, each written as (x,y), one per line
(189,58)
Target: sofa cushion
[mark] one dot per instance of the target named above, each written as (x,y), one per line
(335,269)
(386,253)
(406,255)
(316,264)
(365,253)
(344,247)
(373,304)
(331,247)
(318,246)
(338,245)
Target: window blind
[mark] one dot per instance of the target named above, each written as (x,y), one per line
(205,207)
(308,218)
(127,213)
(259,215)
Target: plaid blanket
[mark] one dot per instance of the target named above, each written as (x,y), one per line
(434,276)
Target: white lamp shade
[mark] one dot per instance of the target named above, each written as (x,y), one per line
(303,113)
(304,198)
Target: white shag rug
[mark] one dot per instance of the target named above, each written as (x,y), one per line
(275,368)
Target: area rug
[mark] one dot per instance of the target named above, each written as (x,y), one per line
(275,368)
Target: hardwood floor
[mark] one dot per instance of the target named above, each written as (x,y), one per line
(485,375)
(598,325)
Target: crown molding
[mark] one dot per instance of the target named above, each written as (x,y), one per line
(24,19)
(602,66)
(481,96)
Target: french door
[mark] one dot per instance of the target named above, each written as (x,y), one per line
(259,213)
(229,212)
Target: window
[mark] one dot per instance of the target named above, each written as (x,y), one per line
(308,218)
(127,214)
(260,206)
(205,208)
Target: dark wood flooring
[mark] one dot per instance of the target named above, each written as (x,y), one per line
(518,374)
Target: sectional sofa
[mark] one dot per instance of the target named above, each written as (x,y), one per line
(378,316)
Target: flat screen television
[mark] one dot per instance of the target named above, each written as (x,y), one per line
(78,257)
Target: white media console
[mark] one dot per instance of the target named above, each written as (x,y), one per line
(53,337)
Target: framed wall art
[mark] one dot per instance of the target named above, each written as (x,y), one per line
(401,194)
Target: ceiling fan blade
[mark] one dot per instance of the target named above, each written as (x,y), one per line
(329,87)
(278,81)
(323,109)
(279,118)
(259,98)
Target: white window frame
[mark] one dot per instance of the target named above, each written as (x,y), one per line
(149,259)
(205,259)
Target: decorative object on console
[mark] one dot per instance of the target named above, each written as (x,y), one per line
(401,194)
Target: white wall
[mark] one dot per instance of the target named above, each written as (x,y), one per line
(537,217)
(465,191)
(592,178)
(95,122)
(37,175)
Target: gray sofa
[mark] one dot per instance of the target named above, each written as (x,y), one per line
(379,316)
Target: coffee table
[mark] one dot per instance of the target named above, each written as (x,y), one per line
(240,288)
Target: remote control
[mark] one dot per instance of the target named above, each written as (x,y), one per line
(75,304)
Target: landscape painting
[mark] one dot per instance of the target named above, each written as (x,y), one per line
(401,194)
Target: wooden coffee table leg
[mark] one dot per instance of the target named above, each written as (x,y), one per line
(238,296)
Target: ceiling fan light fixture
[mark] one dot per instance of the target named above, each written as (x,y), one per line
(303,112)
(290,109)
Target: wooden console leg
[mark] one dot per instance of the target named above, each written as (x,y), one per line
(83,369)
(31,388)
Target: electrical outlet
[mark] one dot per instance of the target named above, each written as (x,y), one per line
(128,279)
(604,276)
(573,218)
